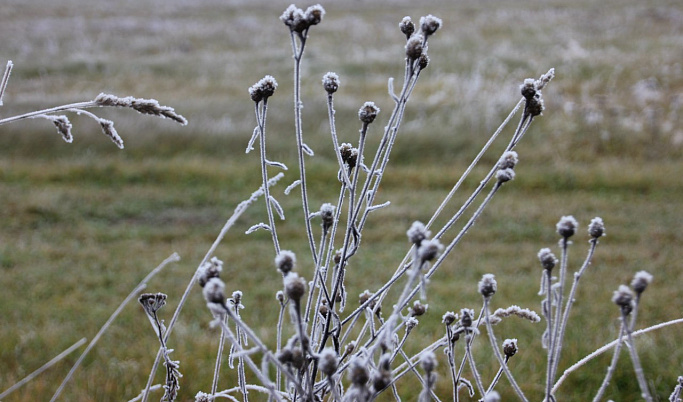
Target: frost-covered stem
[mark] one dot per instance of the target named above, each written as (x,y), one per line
(548,312)
(568,306)
(451,360)
(241,378)
(637,367)
(609,346)
(494,345)
(143,283)
(239,210)
(497,377)
(612,366)
(298,53)
(555,334)
(335,140)
(280,317)
(634,313)
(5,79)
(419,377)
(472,363)
(219,358)
(261,120)
(316,274)
(42,368)
(78,105)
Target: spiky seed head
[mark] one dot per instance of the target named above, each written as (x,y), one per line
(314,14)
(407,27)
(547,259)
(417,233)
(331,82)
(505,175)
(214,291)
(285,261)
(429,249)
(295,286)
(596,228)
(430,24)
(640,281)
(263,89)
(623,297)
(414,47)
(488,285)
(510,347)
(368,112)
(418,309)
(328,362)
(566,227)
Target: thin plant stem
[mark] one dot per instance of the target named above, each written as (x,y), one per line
(495,380)
(637,367)
(612,366)
(219,357)
(5,79)
(261,120)
(62,108)
(548,312)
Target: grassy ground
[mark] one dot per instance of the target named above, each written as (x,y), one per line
(83,223)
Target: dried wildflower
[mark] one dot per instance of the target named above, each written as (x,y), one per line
(210,269)
(144,106)
(566,227)
(368,112)
(535,105)
(423,61)
(327,215)
(298,358)
(640,281)
(488,285)
(349,348)
(285,261)
(412,322)
(280,296)
(263,89)
(623,297)
(491,396)
(295,19)
(508,160)
(547,259)
(430,24)
(516,311)
(323,309)
(449,318)
(109,130)
(414,47)
(381,378)
(417,233)
(429,249)
(418,309)
(505,175)
(528,88)
(407,27)
(358,372)
(202,397)
(314,14)
(63,127)
(544,79)
(152,302)
(328,362)
(510,347)
(429,362)
(214,291)
(331,82)
(353,158)
(295,286)
(466,317)
(596,228)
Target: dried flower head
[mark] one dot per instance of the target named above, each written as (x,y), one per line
(505,175)
(210,269)
(428,361)
(535,106)
(491,396)
(352,160)
(414,47)
(202,397)
(263,89)
(280,296)
(417,233)
(314,14)
(407,27)
(381,378)
(510,347)
(566,227)
(488,285)
(411,322)
(358,372)
(528,88)
(328,361)
(418,309)
(430,24)
(423,61)
(508,160)
(327,215)
(429,249)
(449,318)
(596,228)
(295,286)
(547,259)
(295,19)
(331,82)
(285,261)
(623,297)
(466,317)
(516,311)
(640,281)
(152,302)
(345,151)
(214,291)
(368,112)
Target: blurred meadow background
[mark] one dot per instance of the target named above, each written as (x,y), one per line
(81,224)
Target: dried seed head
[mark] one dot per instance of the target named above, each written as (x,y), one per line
(505,175)
(214,291)
(210,269)
(63,127)
(327,215)
(623,297)
(381,378)
(596,228)
(547,259)
(429,362)
(430,24)
(407,27)
(449,318)
(358,372)
(328,361)
(429,249)
(418,309)
(349,348)
(285,261)
(237,297)
(337,257)
(263,89)
(423,62)
(202,397)
(295,19)
(152,302)
(331,82)
(368,112)
(314,14)
(414,47)
(640,281)
(466,317)
(353,158)
(488,285)
(411,322)
(510,347)
(364,297)
(508,161)
(535,106)
(280,296)
(323,309)
(295,286)
(491,396)
(298,358)
(516,311)
(528,88)
(109,130)
(417,233)
(566,227)
(144,106)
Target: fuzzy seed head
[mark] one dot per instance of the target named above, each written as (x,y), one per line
(331,82)
(535,106)
(210,269)
(345,151)
(280,296)
(214,291)
(429,249)
(510,347)
(263,89)
(528,88)
(327,215)
(429,362)
(295,19)
(508,161)
(314,14)
(368,112)
(449,318)
(414,47)
(623,297)
(328,362)
(566,227)
(466,317)
(640,281)
(492,396)
(423,61)
(417,233)
(418,309)
(407,27)
(505,175)
(430,24)
(411,322)
(295,286)
(202,397)
(488,285)
(358,372)
(285,261)
(596,228)
(547,259)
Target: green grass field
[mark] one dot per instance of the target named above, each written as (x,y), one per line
(83,223)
